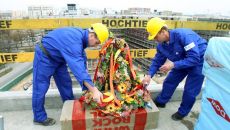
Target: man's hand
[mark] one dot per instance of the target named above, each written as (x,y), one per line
(146,80)
(167,66)
(97,95)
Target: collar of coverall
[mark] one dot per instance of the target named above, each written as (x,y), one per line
(171,39)
(85,38)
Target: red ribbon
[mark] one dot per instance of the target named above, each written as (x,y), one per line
(78,116)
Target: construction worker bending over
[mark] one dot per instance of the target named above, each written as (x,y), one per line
(185,49)
(58,48)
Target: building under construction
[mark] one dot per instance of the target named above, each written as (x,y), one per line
(20,36)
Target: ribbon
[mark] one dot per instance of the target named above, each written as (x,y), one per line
(116,55)
(131,63)
(109,98)
(102,52)
(106,45)
(111,79)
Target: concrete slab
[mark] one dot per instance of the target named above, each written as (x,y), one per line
(18,68)
(22,120)
(21,100)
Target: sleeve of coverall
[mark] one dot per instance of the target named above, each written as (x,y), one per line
(76,62)
(157,61)
(191,50)
(85,58)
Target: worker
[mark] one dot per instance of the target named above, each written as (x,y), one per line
(59,48)
(185,49)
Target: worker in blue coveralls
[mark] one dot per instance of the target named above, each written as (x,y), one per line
(57,49)
(185,50)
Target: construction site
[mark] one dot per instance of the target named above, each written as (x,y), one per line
(19,36)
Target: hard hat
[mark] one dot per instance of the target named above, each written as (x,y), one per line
(154,25)
(101,31)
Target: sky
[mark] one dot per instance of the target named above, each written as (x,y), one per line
(185,6)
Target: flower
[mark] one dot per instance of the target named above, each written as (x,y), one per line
(138,81)
(88,97)
(140,92)
(122,87)
(120,43)
(128,84)
(111,107)
(117,74)
(127,78)
(126,62)
(120,59)
(125,113)
(129,99)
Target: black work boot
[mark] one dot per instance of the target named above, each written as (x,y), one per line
(177,116)
(159,104)
(47,122)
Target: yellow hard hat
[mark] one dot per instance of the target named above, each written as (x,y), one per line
(101,31)
(154,25)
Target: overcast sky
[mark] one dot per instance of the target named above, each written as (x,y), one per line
(185,6)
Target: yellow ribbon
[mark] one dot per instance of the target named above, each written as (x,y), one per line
(109,98)
(116,55)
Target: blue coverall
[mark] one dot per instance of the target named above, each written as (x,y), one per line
(186,49)
(65,46)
